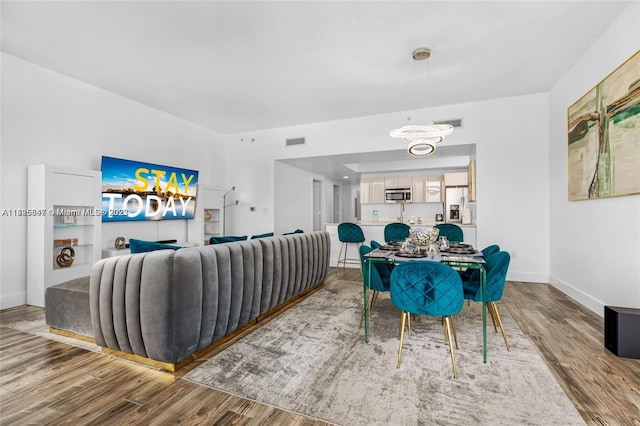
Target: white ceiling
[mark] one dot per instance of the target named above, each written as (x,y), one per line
(239,66)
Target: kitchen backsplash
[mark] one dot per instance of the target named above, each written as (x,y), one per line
(389,212)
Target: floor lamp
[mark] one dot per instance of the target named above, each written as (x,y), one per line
(224,209)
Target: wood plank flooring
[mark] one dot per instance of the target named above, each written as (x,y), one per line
(47,382)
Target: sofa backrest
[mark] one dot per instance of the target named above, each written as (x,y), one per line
(166,305)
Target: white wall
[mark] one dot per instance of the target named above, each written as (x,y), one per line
(512,169)
(50,118)
(298,185)
(293,197)
(595,244)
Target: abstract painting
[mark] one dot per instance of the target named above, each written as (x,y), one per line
(604,136)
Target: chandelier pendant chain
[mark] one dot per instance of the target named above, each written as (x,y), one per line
(422,138)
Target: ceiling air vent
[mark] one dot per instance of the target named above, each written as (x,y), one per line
(457,122)
(295,141)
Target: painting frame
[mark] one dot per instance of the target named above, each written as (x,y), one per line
(604,136)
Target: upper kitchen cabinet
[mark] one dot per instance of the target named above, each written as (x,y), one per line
(456,179)
(419,189)
(471,177)
(377,191)
(365,191)
(372,191)
(434,189)
(427,189)
(398,182)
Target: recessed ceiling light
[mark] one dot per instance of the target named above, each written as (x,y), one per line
(346,177)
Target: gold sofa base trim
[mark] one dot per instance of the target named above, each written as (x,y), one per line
(211,350)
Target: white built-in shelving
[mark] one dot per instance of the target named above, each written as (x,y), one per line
(208,221)
(64,217)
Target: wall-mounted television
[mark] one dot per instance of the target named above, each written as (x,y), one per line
(133,190)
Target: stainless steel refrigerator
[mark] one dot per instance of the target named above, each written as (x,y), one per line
(455,199)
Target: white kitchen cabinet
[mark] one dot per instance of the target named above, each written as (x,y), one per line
(64,226)
(419,189)
(377,191)
(434,189)
(405,181)
(372,191)
(391,182)
(365,191)
(209,221)
(398,182)
(427,189)
(456,179)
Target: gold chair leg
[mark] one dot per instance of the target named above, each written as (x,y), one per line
(447,333)
(339,255)
(374,299)
(493,316)
(504,335)
(455,335)
(346,256)
(402,321)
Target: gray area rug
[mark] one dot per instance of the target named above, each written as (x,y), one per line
(312,360)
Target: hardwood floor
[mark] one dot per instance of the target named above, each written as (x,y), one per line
(47,382)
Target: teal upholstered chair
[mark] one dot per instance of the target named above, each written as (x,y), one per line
(396,232)
(377,277)
(453,232)
(427,288)
(486,252)
(349,233)
(497,266)
(489,250)
(375,244)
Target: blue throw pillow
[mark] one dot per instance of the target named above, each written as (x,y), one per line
(297,231)
(268,234)
(141,246)
(228,239)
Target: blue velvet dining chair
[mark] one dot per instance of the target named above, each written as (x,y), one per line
(453,232)
(486,252)
(496,266)
(427,288)
(396,231)
(376,276)
(348,233)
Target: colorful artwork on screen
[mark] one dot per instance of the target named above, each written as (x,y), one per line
(133,190)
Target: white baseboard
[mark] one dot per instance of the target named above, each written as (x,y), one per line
(13,300)
(527,277)
(584,299)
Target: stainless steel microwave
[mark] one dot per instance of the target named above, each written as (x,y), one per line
(394,195)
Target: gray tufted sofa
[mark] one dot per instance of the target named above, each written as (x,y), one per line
(167,305)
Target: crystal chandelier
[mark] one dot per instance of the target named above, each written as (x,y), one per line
(422,139)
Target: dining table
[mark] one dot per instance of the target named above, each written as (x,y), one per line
(462,259)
